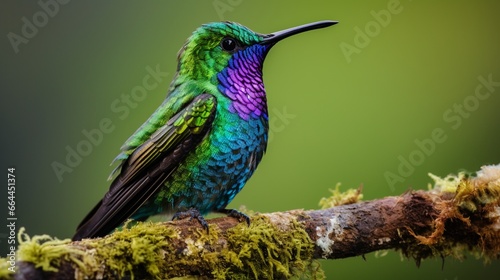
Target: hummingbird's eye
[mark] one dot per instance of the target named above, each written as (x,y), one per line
(229,44)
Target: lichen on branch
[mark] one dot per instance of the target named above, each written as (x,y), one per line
(458,214)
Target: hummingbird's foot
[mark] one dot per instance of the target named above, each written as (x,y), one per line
(191,213)
(235,214)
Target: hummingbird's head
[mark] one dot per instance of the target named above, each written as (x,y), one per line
(230,56)
(211,46)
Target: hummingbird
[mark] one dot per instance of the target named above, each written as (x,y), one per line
(203,143)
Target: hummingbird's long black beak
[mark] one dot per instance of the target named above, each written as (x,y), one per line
(277,36)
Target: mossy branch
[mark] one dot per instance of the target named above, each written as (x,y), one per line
(458,215)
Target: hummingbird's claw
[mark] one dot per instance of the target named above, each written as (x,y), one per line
(191,213)
(235,214)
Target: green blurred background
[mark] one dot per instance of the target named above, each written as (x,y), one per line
(334,117)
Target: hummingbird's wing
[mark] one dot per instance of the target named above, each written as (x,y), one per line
(173,103)
(149,166)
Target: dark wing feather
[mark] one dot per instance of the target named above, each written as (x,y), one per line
(149,166)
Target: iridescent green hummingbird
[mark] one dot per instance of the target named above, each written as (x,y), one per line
(198,149)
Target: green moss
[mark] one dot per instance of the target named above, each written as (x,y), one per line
(340,198)
(158,251)
(471,193)
(262,251)
(258,251)
(43,251)
(467,206)
(46,252)
(5,273)
(141,247)
(448,184)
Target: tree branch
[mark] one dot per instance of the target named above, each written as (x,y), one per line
(458,215)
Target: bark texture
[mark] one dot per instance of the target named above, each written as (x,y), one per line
(458,215)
